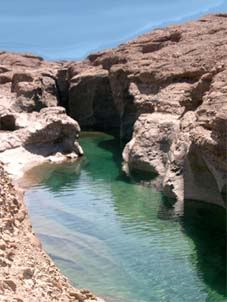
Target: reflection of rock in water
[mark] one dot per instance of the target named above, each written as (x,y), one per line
(206,225)
(166,209)
(126,233)
(65,174)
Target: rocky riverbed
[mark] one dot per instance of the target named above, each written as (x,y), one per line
(165,91)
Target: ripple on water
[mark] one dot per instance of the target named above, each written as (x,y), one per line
(120,239)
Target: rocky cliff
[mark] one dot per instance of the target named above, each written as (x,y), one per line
(165,91)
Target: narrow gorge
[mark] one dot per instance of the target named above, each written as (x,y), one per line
(166,92)
(163,94)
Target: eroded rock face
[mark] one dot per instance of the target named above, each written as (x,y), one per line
(32,125)
(33,129)
(28,82)
(50,126)
(48,135)
(166,91)
(169,89)
(90,99)
(149,148)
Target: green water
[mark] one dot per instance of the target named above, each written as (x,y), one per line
(122,240)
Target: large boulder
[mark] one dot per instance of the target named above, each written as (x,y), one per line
(149,148)
(50,128)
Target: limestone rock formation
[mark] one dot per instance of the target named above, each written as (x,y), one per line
(32,125)
(33,129)
(51,126)
(165,91)
(90,99)
(169,89)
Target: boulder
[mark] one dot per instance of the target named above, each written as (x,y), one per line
(51,129)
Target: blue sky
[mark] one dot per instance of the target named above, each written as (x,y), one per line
(71,29)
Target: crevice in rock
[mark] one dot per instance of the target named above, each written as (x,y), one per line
(62,86)
(60,94)
(161,42)
(7,122)
(194,99)
(91,103)
(221,15)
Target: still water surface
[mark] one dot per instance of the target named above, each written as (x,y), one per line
(120,239)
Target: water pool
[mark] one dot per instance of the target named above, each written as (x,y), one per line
(120,239)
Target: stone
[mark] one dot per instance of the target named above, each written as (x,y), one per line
(165,92)
(169,88)
(20,78)
(10,284)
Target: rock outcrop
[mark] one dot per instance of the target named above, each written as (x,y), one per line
(91,101)
(165,91)
(33,129)
(169,90)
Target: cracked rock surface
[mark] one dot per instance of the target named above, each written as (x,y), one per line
(169,88)
(166,93)
(33,129)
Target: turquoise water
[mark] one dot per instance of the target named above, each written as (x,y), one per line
(70,29)
(120,239)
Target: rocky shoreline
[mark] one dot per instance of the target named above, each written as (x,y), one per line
(166,93)
(27,272)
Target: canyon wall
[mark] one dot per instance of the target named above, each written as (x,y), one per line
(167,93)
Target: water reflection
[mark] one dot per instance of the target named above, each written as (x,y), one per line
(57,177)
(121,239)
(206,226)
